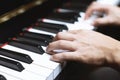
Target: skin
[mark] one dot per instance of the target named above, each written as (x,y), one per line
(112,14)
(85,46)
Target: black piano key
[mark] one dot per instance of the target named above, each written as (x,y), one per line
(52,25)
(27,46)
(37,36)
(15,55)
(71,12)
(65,17)
(11,64)
(32,40)
(2,77)
(52,30)
(75,6)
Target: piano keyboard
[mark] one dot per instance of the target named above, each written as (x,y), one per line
(24,58)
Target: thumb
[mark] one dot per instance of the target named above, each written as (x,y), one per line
(61,57)
(100,22)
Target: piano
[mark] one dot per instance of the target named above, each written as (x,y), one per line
(27,27)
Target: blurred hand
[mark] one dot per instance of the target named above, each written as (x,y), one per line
(112,14)
(84,46)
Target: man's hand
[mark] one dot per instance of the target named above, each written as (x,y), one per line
(85,46)
(112,14)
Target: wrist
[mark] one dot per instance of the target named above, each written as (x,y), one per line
(113,55)
(116,55)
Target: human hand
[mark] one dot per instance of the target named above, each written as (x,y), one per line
(84,46)
(112,14)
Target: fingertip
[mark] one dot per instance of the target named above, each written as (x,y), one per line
(86,17)
(95,23)
(99,22)
(56,58)
(49,51)
(52,58)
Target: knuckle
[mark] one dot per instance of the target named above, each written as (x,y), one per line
(58,36)
(50,44)
(61,42)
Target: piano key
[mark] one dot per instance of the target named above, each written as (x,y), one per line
(58,68)
(15,55)
(28,46)
(37,36)
(40,60)
(66,17)
(75,9)
(50,25)
(52,30)
(81,17)
(9,76)
(41,32)
(76,6)
(76,26)
(2,77)
(11,64)
(24,75)
(32,40)
(90,20)
(73,15)
(52,65)
(38,70)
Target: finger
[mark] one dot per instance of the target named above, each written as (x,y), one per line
(64,36)
(95,7)
(61,57)
(61,44)
(75,31)
(90,10)
(101,21)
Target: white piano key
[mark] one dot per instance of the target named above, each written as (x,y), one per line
(83,25)
(38,70)
(40,31)
(76,26)
(9,76)
(57,71)
(24,75)
(58,68)
(80,24)
(55,21)
(41,60)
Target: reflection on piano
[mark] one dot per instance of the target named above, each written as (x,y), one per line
(27,27)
